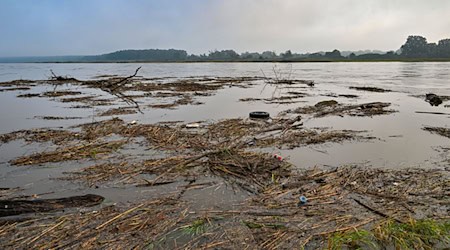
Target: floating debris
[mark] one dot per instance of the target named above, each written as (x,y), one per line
(370,89)
(14,89)
(437,130)
(193,125)
(339,200)
(16,207)
(90,150)
(289,98)
(332,107)
(40,135)
(57,117)
(283,206)
(435,100)
(118,111)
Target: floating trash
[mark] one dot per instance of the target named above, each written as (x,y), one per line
(278,157)
(302,200)
(193,125)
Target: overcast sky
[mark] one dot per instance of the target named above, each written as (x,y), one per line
(83,27)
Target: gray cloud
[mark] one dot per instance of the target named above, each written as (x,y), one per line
(321,25)
(52,27)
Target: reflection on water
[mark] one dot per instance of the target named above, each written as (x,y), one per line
(416,70)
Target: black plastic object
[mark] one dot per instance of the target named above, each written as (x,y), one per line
(259,115)
(433,99)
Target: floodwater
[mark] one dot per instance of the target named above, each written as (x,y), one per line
(400,141)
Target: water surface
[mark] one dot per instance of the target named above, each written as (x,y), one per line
(400,141)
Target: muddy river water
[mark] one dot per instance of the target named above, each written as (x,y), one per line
(398,139)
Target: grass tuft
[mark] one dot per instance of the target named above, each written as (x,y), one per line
(354,239)
(196,228)
(415,234)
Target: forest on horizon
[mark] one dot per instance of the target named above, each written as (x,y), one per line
(416,48)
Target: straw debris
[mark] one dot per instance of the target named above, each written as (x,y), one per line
(90,150)
(39,135)
(437,130)
(347,206)
(370,89)
(118,111)
(108,227)
(185,89)
(332,107)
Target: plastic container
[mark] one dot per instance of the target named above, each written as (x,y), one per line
(302,200)
(278,157)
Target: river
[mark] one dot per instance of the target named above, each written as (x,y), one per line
(399,142)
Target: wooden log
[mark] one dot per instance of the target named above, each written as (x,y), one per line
(16,207)
(375,211)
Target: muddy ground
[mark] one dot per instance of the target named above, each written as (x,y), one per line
(214,184)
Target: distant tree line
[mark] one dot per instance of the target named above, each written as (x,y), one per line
(415,48)
(151,55)
(173,55)
(418,47)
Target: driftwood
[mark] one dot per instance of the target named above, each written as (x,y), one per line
(123,81)
(113,86)
(16,207)
(109,86)
(376,211)
(370,89)
(55,77)
(432,113)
